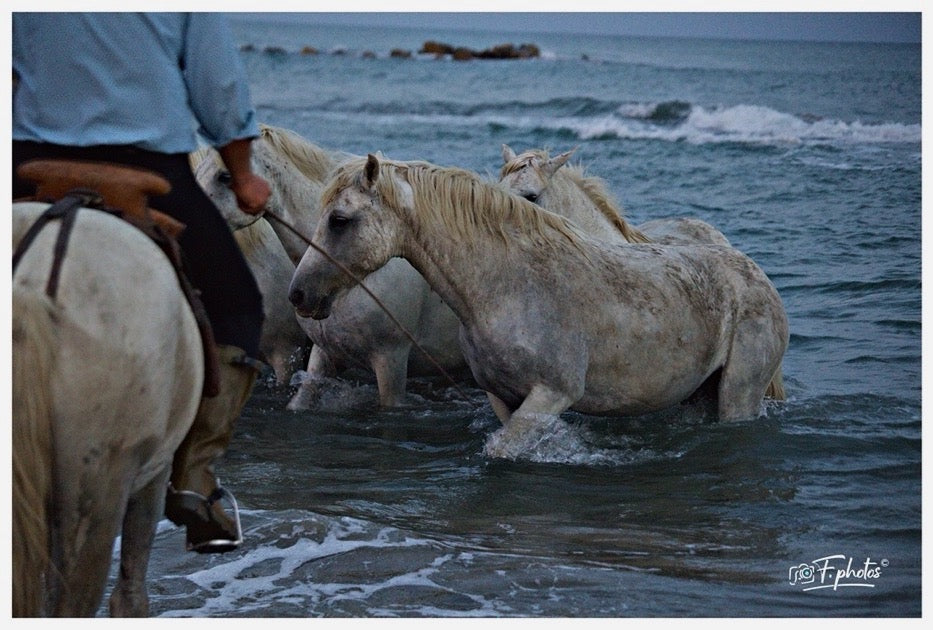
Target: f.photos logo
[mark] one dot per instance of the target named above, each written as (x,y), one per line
(836,572)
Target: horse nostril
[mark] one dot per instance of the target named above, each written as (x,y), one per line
(224,178)
(296,297)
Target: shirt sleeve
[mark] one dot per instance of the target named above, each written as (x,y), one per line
(217,85)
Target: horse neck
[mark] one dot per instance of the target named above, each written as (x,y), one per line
(583,201)
(453,270)
(472,273)
(295,199)
(565,197)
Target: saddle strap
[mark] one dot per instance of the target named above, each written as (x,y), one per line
(65,209)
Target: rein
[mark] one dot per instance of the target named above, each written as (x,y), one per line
(343,268)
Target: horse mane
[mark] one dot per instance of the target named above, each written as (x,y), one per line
(464,203)
(314,162)
(595,189)
(311,160)
(196,157)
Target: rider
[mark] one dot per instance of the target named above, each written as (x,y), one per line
(137,89)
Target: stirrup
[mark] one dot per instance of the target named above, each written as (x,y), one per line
(191,502)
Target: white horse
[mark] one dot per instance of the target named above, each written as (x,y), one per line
(107,377)
(266,250)
(560,187)
(283,342)
(585,199)
(359,334)
(554,318)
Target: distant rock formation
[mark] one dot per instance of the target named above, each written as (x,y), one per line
(462,53)
(438,49)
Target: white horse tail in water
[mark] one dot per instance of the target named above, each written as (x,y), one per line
(775,389)
(33,355)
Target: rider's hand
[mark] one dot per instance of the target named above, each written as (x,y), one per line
(252,192)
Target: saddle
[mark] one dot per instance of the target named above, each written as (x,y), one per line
(123,192)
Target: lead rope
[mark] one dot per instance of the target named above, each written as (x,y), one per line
(343,268)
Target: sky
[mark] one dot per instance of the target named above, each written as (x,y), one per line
(808,26)
(809,20)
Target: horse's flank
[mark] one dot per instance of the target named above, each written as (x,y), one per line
(119,313)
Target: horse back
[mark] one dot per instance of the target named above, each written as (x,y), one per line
(127,334)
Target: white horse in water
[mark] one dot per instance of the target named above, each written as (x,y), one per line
(585,199)
(554,318)
(283,342)
(560,187)
(359,333)
(107,377)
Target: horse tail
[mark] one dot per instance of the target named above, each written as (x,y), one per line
(775,389)
(34,346)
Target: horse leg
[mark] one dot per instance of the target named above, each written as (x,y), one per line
(503,412)
(754,360)
(319,367)
(535,428)
(87,526)
(129,597)
(391,370)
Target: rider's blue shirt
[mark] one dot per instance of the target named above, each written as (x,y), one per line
(156,81)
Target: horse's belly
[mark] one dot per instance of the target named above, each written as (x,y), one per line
(650,375)
(626,401)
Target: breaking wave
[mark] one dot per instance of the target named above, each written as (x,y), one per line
(671,121)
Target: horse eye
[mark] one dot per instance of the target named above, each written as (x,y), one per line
(533,198)
(338,222)
(224,178)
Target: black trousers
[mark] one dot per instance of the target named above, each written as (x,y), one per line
(213,261)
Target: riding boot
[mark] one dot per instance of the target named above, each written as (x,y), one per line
(194,494)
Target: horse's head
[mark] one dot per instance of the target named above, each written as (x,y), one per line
(529,173)
(214,179)
(355,236)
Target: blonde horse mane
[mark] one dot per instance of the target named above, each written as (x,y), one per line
(34,343)
(311,160)
(314,162)
(465,204)
(196,157)
(593,187)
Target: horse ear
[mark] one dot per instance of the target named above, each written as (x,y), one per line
(372,170)
(507,153)
(557,161)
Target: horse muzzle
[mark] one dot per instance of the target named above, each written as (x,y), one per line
(315,307)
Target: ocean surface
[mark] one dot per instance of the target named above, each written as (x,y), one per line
(807,156)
